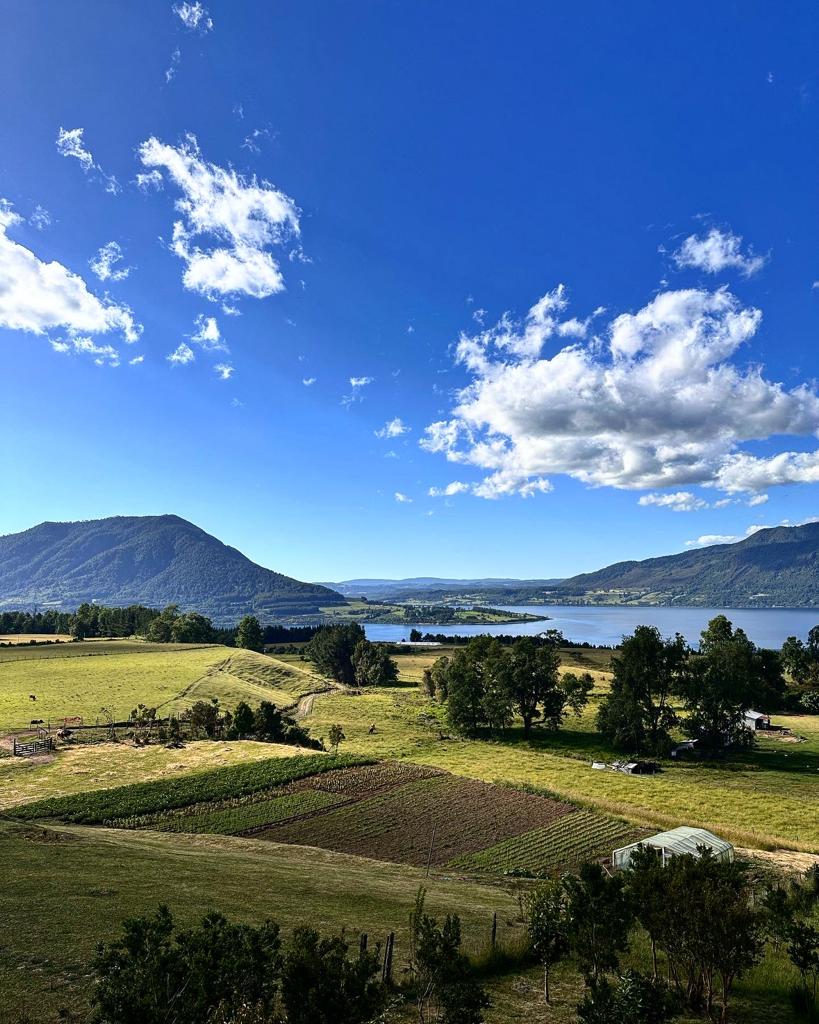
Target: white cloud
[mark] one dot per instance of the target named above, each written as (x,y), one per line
(172,68)
(194,16)
(208,334)
(251,143)
(181,356)
(308,382)
(357,384)
(40,219)
(392,428)
(136,360)
(718,538)
(40,297)
(402,499)
(70,143)
(103,355)
(678,501)
(104,262)
(707,539)
(360,382)
(757,499)
(228,223)
(717,251)
(150,180)
(456,487)
(651,402)
(224,371)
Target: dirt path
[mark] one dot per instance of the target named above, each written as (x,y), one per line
(304,705)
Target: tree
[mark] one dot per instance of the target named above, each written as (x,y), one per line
(465,685)
(599,916)
(637,714)
(160,630)
(533,683)
(322,984)
(154,974)
(243,720)
(576,690)
(372,666)
(416,636)
(446,990)
(269,723)
(803,950)
(635,999)
(547,924)
(336,735)
(205,717)
(727,677)
(331,651)
(249,634)
(646,883)
(192,628)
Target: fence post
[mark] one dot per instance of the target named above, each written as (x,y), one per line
(386,974)
(494,928)
(362,944)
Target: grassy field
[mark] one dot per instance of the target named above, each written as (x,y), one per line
(26,638)
(78,679)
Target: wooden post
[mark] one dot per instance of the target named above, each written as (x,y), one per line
(362,944)
(494,928)
(386,974)
(431,848)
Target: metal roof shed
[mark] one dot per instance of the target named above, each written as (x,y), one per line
(675,842)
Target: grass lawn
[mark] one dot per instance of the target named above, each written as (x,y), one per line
(79,679)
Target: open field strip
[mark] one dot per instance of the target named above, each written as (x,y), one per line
(26,638)
(105,765)
(120,674)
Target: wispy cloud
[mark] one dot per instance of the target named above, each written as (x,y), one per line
(392,428)
(718,251)
(70,143)
(173,67)
(456,487)
(308,382)
(402,499)
(357,384)
(105,261)
(677,501)
(40,218)
(224,371)
(228,223)
(194,17)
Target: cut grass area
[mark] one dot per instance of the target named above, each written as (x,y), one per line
(111,806)
(560,846)
(232,820)
(766,798)
(104,765)
(79,679)
(67,888)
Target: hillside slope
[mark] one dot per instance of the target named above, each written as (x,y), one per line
(151,560)
(774,567)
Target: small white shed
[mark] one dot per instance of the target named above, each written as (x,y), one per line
(676,841)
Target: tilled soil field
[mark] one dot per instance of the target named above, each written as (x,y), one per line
(444,815)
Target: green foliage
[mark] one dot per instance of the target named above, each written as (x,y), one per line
(322,984)
(372,665)
(155,974)
(335,736)
(803,950)
(331,651)
(243,719)
(634,999)
(249,634)
(548,927)
(637,714)
(600,914)
(109,805)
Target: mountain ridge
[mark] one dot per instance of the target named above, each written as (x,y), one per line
(153,560)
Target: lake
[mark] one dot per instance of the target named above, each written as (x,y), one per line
(607,625)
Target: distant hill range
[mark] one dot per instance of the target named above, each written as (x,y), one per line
(777,567)
(438,590)
(150,560)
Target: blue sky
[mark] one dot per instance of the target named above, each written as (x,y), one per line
(392,194)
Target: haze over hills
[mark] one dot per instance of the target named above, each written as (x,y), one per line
(435,589)
(151,560)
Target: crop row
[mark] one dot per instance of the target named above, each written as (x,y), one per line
(141,798)
(566,842)
(230,821)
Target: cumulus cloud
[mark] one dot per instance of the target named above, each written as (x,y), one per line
(707,539)
(224,371)
(194,17)
(41,298)
(70,143)
(151,180)
(402,499)
(308,382)
(136,360)
(208,334)
(677,501)
(105,261)
(392,428)
(228,223)
(181,356)
(717,251)
(456,487)
(653,401)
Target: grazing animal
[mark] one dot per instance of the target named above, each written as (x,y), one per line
(36,721)
(31,697)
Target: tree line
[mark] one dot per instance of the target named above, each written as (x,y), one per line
(345,654)
(703,922)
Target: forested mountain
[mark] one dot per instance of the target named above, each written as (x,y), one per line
(774,567)
(149,560)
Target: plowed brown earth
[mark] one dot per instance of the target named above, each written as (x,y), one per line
(397,825)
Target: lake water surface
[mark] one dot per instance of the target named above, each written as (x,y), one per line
(607,625)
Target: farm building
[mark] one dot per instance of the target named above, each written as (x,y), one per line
(755,720)
(675,842)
